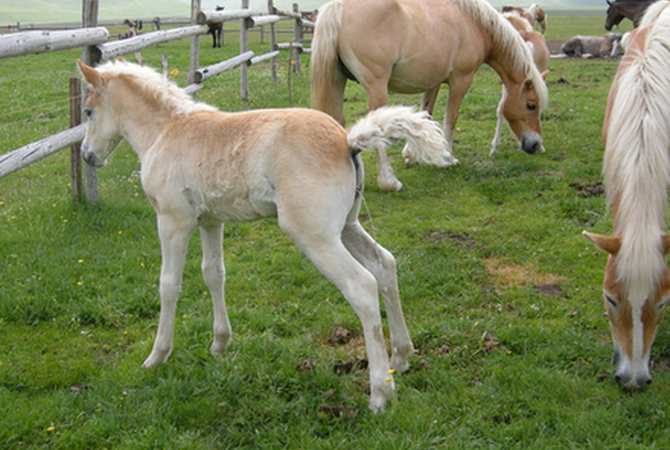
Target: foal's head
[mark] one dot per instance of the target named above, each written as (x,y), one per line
(634,310)
(102,132)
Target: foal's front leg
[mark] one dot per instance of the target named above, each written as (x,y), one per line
(174,238)
(214,273)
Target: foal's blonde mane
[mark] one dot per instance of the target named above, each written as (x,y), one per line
(636,166)
(506,37)
(151,84)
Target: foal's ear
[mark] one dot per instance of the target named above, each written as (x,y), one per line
(91,76)
(609,244)
(545,74)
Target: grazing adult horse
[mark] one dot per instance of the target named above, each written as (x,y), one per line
(216,29)
(541,56)
(583,46)
(636,171)
(413,46)
(202,168)
(533,14)
(626,9)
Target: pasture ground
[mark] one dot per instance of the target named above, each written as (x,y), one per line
(501,292)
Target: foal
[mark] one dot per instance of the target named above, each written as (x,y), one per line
(202,168)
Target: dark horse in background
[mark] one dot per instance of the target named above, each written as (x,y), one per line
(628,9)
(216,29)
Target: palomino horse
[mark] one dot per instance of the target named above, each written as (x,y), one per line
(597,46)
(533,14)
(626,9)
(636,172)
(413,46)
(201,168)
(541,58)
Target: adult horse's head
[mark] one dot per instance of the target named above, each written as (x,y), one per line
(614,15)
(634,308)
(521,106)
(102,132)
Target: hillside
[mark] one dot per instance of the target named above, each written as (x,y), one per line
(50,11)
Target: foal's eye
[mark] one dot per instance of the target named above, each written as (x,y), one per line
(88,112)
(531,106)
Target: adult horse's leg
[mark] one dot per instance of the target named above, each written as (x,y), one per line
(214,273)
(495,144)
(378,97)
(381,263)
(458,86)
(174,238)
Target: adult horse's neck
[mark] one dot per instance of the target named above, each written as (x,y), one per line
(503,66)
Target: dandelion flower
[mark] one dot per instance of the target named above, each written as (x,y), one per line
(174,73)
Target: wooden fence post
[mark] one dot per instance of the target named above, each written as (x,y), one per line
(297,35)
(244,46)
(75,149)
(273,42)
(195,45)
(89,19)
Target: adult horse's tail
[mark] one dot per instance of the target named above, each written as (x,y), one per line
(424,136)
(327,78)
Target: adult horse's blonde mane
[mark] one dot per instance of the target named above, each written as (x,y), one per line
(151,84)
(636,166)
(508,39)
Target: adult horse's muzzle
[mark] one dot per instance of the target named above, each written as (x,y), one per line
(625,377)
(531,143)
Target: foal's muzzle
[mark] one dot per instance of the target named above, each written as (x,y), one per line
(89,157)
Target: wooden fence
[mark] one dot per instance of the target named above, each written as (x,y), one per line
(97,47)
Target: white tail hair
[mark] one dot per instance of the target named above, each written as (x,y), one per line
(425,139)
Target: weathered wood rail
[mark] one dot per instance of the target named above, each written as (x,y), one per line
(96,48)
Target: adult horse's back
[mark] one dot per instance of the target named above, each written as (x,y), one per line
(636,171)
(414,46)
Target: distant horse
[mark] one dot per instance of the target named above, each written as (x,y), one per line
(596,46)
(541,56)
(533,14)
(627,9)
(202,168)
(413,46)
(216,29)
(636,171)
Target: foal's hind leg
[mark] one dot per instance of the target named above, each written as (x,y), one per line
(174,238)
(325,249)
(214,274)
(381,263)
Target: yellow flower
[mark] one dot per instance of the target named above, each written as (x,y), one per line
(80,261)
(388,380)
(174,73)
(50,429)
(391,372)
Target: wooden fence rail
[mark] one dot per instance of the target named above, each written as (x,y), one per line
(95,44)
(29,42)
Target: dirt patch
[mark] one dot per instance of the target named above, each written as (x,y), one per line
(553,289)
(460,239)
(591,189)
(509,274)
(337,411)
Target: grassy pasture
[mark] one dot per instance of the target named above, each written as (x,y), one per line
(501,293)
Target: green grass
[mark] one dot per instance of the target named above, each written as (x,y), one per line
(499,364)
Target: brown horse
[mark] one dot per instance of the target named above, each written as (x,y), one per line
(630,9)
(541,56)
(413,46)
(636,169)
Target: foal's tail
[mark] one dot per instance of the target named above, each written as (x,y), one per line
(425,139)
(324,56)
